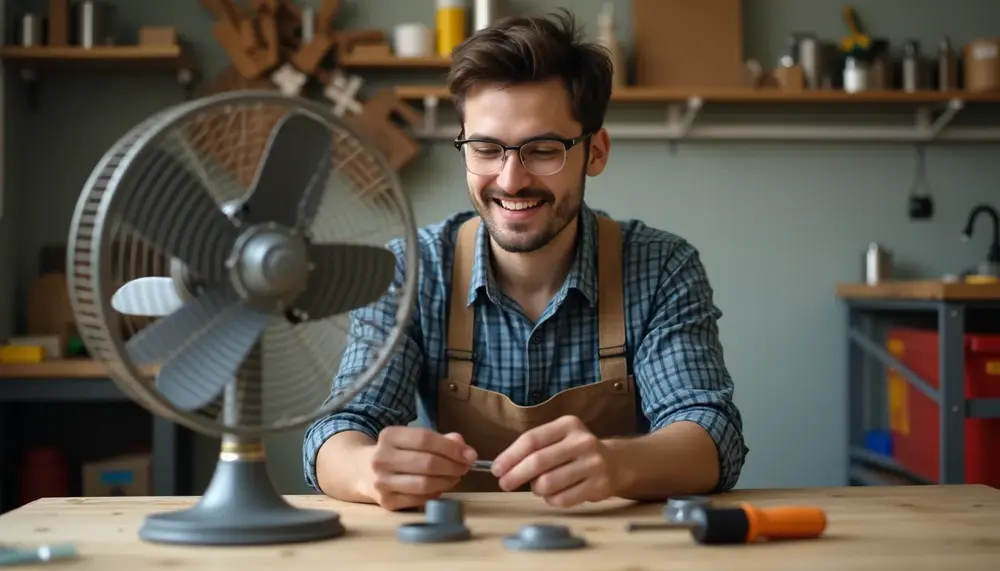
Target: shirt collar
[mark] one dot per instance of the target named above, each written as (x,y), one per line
(582,275)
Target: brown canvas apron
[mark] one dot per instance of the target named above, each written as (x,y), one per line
(490,421)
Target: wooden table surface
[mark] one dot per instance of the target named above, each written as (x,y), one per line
(869,528)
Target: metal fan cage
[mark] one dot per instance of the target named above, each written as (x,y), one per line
(221,139)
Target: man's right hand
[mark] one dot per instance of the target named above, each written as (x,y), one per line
(410,465)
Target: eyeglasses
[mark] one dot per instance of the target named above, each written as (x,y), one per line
(542,156)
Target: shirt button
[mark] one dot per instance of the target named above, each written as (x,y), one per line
(535,395)
(536,339)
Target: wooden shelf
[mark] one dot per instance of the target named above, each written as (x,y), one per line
(394,62)
(133,57)
(666,95)
(57,369)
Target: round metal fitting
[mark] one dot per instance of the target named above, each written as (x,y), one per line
(539,537)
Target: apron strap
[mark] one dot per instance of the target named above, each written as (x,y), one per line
(460,315)
(610,301)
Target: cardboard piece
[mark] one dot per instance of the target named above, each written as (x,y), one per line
(688,43)
(128,475)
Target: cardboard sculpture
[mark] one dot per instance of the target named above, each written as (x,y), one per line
(266,49)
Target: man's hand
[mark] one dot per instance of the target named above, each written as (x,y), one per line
(565,463)
(411,465)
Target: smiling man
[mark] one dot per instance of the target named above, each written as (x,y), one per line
(579,353)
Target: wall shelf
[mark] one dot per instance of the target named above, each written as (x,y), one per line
(928,115)
(31,60)
(393,62)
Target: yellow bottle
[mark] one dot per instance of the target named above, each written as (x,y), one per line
(452,23)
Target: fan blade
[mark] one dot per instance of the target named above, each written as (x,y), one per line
(149,296)
(212,357)
(173,209)
(154,343)
(294,168)
(345,277)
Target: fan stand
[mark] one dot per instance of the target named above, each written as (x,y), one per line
(241,505)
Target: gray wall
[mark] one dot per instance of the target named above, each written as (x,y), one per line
(771,268)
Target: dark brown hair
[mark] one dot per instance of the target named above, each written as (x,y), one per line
(525,49)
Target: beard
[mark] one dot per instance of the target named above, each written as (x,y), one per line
(534,234)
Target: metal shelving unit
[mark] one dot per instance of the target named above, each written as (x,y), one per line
(48,383)
(868,359)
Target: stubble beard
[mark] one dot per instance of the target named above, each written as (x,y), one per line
(562,213)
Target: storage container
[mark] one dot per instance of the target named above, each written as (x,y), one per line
(982,65)
(914,418)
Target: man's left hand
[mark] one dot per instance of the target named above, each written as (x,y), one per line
(565,463)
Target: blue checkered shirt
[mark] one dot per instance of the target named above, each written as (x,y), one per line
(671,336)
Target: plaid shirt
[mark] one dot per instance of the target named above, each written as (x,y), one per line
(671,335)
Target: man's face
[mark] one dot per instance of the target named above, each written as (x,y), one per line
(524,211)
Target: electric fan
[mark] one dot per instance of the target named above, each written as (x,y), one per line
(215,255)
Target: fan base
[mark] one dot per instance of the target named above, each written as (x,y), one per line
(241,507)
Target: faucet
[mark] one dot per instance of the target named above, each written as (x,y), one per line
(994,255)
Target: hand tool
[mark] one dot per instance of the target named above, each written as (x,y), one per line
(745,523)
(17,556)
(482,466)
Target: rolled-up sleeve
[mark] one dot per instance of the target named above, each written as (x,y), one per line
(679,365)
(390,398)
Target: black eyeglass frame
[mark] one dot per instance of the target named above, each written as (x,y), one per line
(566,143)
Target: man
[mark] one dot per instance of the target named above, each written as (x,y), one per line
(578,353)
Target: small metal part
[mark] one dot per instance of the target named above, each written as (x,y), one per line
(444,521)
(482,466)
(543,538)
(678,509)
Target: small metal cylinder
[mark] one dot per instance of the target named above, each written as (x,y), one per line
(485,13)
(911,67)
(878,264)
(308,24)
(31,30)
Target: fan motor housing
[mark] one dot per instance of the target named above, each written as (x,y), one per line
(269,266)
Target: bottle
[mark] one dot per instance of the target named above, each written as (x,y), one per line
(451,18)
(855,75)
(607,35)
(947,76)
(911,66)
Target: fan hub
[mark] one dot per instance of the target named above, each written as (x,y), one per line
(269,266)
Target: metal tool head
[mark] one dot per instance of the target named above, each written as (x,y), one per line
(679,508)
(482,466)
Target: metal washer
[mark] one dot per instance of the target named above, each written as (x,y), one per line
(444,521)
(543,538)
(424,532)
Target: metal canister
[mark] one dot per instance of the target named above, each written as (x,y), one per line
(31,30)
(878,264)
(485,13)
(911,66)
(810,57)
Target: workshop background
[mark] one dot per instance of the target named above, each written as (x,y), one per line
(779,224)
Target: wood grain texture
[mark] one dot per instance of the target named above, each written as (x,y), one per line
(920,289)
(59,369)
(911,528)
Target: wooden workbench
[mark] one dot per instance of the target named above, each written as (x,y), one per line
(879,529)
(920,289)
